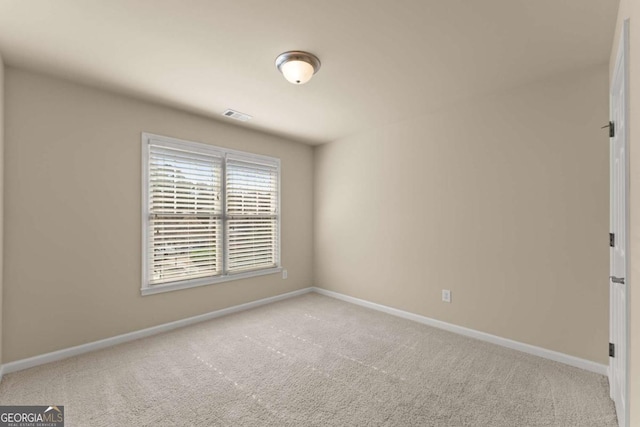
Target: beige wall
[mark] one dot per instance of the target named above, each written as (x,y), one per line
(630,9)
(503,200)
(73,248)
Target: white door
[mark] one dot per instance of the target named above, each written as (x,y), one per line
(618,219)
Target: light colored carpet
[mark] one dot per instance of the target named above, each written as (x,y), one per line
(313,361)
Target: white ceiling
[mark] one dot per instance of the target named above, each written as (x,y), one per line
(382,60)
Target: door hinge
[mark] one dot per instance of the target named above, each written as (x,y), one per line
(618,280)
(612,129)
(612,240)
(612,350)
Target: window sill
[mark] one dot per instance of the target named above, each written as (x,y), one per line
(158,289)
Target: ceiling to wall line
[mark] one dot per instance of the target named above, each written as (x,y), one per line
(382,60)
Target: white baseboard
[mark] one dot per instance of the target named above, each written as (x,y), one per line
(483,336)
(577,362)
(19,365)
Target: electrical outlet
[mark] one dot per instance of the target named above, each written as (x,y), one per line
(284,274)
(446,295)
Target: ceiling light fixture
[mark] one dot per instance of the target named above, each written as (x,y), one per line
(297,67)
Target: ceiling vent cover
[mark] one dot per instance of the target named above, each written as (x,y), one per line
(236,115)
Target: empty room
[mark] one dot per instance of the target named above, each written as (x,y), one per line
(334,213)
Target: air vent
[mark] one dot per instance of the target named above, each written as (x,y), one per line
(236,115)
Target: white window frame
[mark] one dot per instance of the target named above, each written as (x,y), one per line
(148,138)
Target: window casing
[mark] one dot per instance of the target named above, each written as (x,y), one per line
(210,214)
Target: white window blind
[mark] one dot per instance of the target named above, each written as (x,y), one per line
(252,214)
(185,215)
(210,214)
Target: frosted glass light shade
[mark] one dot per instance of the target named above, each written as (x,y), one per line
(297,66)
(297,72)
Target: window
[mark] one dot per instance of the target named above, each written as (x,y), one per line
(209,214)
